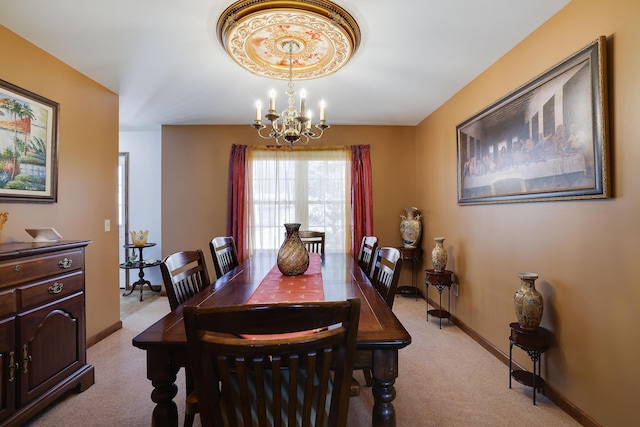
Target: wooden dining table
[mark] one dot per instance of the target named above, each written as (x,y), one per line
(380,333)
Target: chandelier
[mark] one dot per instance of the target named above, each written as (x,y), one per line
(283,39)
(291,125)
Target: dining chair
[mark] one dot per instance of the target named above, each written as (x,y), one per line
(313,240)
(386,273)
(366,254)
(184,274)
(246,372)
(224,253)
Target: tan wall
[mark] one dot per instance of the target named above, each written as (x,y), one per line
(195,163)
(87,170)
(584,251)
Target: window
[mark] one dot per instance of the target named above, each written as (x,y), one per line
(310,187)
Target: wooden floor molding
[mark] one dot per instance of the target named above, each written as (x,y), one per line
(104,333)
(549,391)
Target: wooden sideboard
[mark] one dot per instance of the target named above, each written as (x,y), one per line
(43,352)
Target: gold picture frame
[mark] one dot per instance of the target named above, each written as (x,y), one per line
(547,140)
(28,146)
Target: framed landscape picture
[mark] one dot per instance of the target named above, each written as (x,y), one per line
(547,140)
(28,146)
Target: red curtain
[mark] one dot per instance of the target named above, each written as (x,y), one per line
(361,196)
(236,226)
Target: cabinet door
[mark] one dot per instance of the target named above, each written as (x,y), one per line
(50,345)
(8,370)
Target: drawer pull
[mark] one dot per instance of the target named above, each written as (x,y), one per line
(16,268)
(65,263)
(56,288)
(13,366)
(26,358)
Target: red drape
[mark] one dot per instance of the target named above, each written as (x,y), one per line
(236,226)
(361,196)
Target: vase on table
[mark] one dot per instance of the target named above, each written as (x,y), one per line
(139,238)
(439,255)
(411,227)
(293,257)
(528,303)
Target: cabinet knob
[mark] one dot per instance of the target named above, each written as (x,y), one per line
(65,263)
(56,288)
(16,268)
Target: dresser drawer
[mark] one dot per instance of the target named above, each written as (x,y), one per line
(49,290)
(37,267)
(8,302)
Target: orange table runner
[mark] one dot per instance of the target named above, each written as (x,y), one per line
(276,287)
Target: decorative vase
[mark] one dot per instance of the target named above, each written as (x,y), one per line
(439,255)
(139,238)
(411,227)
(293,257)
(3,218)
(528,303)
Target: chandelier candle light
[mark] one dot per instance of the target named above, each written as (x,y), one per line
(291,125)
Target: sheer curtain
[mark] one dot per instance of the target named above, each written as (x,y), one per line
(309,185)
(323,188)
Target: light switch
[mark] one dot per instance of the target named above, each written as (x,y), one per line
(107,225)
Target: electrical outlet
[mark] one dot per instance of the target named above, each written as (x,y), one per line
(455,289)
(107,225)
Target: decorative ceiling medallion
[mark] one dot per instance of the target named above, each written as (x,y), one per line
(254,33)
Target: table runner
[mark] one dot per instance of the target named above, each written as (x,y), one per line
(276,287)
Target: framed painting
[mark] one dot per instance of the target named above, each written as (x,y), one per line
(28,146)
(547,140)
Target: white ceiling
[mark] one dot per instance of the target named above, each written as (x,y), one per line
(164,60)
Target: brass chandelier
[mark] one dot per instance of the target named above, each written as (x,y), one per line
(287,40)
(291,125)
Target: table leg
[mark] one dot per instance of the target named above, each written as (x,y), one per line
(162,373)
(385,372)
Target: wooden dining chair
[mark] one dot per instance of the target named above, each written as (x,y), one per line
(366,254)
(224,253)
(246,372)
(184,274)
(313,240)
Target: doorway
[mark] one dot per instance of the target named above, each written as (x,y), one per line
(123,216)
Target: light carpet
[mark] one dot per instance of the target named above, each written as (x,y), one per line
(445,379)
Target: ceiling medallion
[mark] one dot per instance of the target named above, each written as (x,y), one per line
(253,32)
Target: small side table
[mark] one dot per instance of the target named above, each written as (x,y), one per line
(414,255)
(141,264)
(535,344)
(440,279)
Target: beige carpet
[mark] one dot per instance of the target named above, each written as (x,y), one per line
(446,379)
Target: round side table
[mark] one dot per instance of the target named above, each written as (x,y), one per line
(535,343)
(440,280)
(141,264)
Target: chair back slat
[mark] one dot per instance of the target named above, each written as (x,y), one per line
(300,378)
(313,240)
(184,274)
(386,273)
(224,253)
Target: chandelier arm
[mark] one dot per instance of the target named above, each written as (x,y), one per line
(291,126)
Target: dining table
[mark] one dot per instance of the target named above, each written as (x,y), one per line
(380,334)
